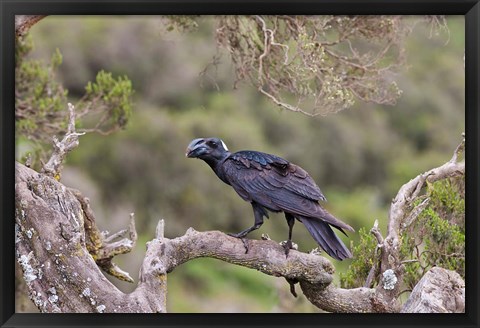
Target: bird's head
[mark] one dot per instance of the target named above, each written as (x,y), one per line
(207,149)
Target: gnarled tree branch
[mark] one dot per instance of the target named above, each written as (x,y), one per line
(24,22)
(402,213)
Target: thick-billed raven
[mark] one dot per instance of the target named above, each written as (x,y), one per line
(272,183)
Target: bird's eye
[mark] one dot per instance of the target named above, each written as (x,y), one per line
(212,144)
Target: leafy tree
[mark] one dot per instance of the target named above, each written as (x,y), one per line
(40,101)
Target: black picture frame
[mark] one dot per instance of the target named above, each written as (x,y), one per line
(9,8)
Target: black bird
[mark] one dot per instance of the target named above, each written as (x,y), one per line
(272,183)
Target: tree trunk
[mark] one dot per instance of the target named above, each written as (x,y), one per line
(60,273)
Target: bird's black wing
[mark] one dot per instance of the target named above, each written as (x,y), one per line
(276,184)
(277,172)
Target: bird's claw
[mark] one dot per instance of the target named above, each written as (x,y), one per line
(241,237)
(287,246)
(245,244)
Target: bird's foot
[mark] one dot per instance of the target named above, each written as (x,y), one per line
(242,238)
(245,244)
(288,245)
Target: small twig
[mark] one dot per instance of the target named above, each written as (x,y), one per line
(285,105)
(415,213)
(63,147)
(374,269)
(409,261)
(266,49)
(458,255)
(371,274)
(125,245)
(160,230)
(376,232)
(460,148)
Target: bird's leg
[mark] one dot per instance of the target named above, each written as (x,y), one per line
(290,221)
(258,213)
(245,232)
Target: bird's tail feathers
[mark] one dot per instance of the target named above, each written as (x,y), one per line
(326,238)
(330,219)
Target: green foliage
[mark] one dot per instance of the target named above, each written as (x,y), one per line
(114,95)
(40,101)
(437,238)
(181,23)
(363,260)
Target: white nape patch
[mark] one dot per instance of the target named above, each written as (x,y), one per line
(224,145)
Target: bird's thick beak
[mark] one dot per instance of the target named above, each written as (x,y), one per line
(195,148)
(190,153)
(195,152)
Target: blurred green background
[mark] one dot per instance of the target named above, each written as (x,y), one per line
(359,157)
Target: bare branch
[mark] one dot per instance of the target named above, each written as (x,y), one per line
(266,256)
(356,300)
(61,148)
(460,148)
(378,249)
(313,272)
(376,232)
(414,214)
